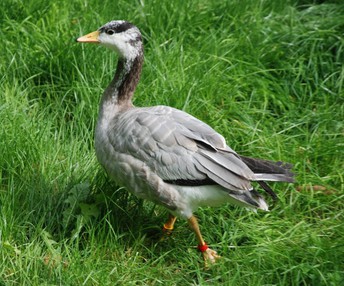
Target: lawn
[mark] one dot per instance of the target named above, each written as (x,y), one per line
(268,75)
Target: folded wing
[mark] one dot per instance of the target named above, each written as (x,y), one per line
(182,149)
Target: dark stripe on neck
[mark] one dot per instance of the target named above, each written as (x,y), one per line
(126,79)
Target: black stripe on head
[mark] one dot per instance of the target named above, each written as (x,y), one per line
(116,27)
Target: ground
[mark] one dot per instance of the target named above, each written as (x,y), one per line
(268,75)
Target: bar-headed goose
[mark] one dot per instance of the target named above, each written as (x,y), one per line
(166,155)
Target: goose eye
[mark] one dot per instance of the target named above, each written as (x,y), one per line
(110,32)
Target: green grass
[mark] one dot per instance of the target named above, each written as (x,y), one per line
(268,75)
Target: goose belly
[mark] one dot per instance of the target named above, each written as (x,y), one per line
(213,196)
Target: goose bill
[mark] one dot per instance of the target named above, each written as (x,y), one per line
(89,38)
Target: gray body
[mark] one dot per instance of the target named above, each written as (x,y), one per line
(166,155)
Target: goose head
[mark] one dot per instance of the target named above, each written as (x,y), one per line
(120,36)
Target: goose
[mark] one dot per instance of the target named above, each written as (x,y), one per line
(166,155)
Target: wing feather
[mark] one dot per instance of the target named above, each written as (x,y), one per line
(177,146)
(221,175)
(229,161)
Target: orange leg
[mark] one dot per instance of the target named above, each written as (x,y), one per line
(168,226)
(209,255)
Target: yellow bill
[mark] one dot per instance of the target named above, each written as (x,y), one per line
(89,38)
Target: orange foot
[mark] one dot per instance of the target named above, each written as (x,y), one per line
(168,227)
(210,256)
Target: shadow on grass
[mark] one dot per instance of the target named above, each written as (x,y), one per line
(82,211)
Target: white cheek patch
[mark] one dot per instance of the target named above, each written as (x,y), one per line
(126,44)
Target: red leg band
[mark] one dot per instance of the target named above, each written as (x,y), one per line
(202,248)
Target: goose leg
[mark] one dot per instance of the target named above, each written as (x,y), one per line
(168,226)
(209,255)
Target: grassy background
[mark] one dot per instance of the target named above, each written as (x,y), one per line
(268,75)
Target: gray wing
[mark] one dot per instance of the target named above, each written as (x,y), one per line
(179,147)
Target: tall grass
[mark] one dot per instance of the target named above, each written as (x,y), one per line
(268,75)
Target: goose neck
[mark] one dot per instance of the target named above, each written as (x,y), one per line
(122,87)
